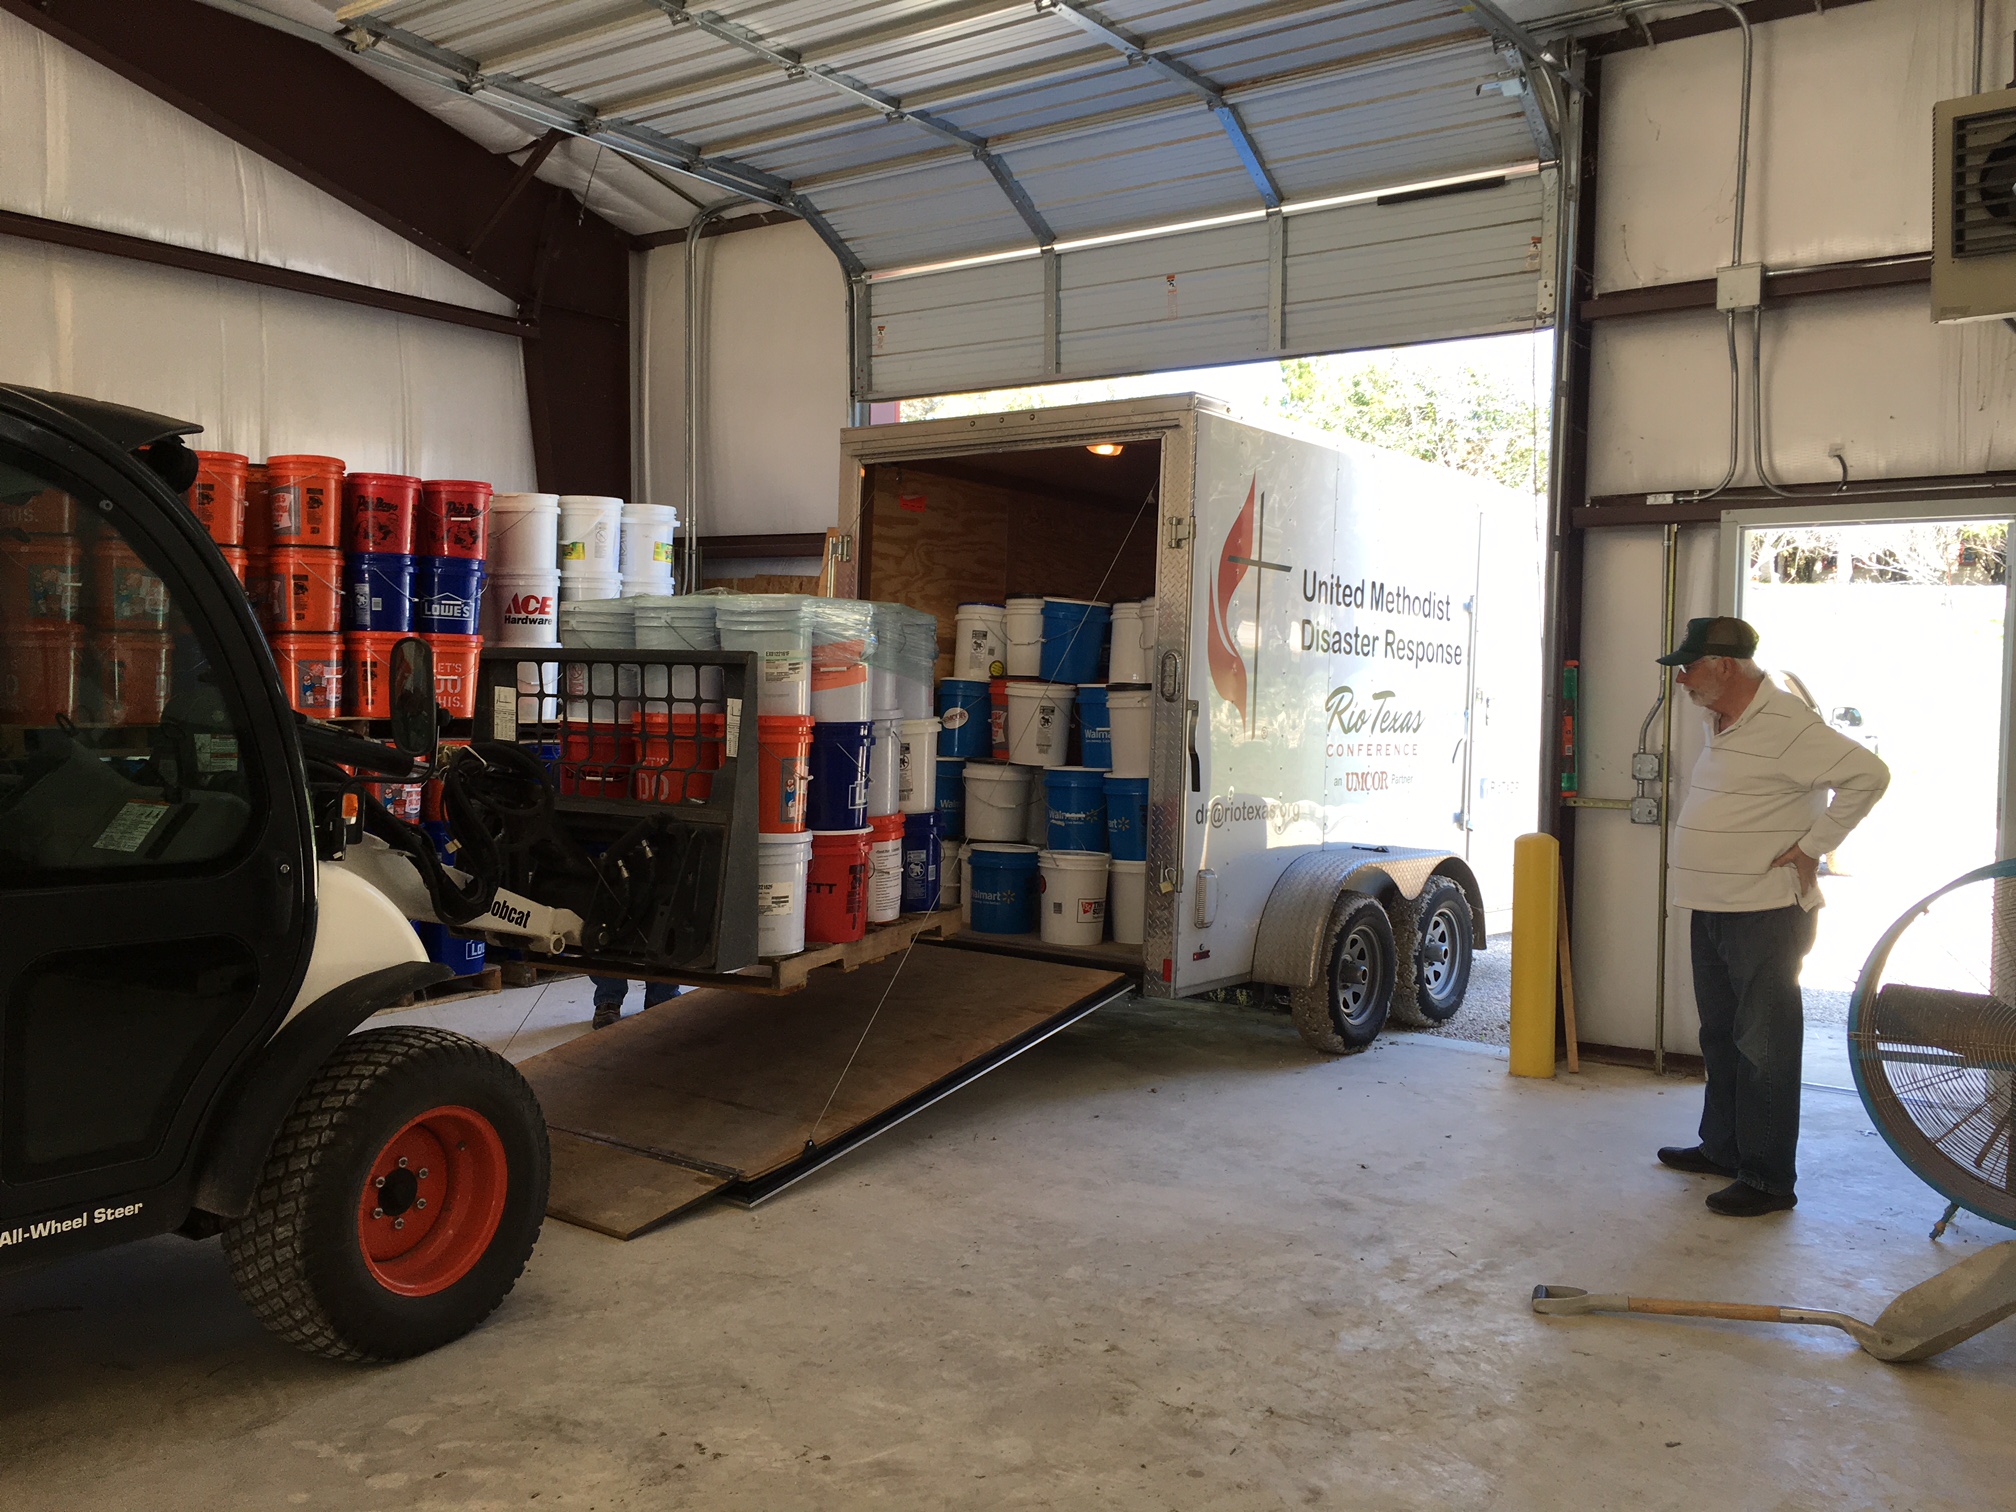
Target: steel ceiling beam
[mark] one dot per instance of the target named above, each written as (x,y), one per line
(1181,74)
(794,67)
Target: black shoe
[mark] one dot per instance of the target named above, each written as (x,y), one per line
(607,1014)
(1739,1199)
(1690,1158)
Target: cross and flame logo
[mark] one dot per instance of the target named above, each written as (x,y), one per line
(1236,682)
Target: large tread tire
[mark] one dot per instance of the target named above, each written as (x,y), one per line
(1438,920)
(1339,1016)
(1404,914)
(297,1257)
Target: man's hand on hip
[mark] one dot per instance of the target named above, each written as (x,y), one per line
(1808,867)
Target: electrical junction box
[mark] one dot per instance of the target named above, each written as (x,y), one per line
(1740,287)
(1644,810)
(1645,766)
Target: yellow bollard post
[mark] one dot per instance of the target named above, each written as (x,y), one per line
(1536,910)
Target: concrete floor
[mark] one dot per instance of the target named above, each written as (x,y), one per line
(1168,1260)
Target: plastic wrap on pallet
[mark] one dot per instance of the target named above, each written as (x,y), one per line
(599,625)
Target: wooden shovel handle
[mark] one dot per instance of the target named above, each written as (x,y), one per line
(1748,1312)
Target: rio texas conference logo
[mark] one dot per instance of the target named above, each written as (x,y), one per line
(1237,680)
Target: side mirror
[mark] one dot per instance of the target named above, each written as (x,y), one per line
(1852,718)
(416,726)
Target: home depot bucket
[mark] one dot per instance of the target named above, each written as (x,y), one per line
(238,559)
(524,532)
(1095,732)
(217,497)
(885,767)
(920,863)
(1131,720)
(367,673)
(133,674)
(1023,621)
(646,551)
(1127,900)
(454,515)
(917,776)
(598,759)
(311,671)
(378,586)
(839,800)
(258,509)
(885,868)
(1127,662)
(1074,640)
(836,887)
(965,719)
(456,658)
(1076,800)
(591,535)
(379,511)
(125,594)
(50,512)
(678,755)
(304,501)
(307,590)
(40,668)
(1072,889)
(980,642)
(997,720)
(1001,883)
(951,798)
(1127,818)
(1039,722)
(774,626)
(41,581)
(997,800)
(526,608)
(782,861)
(450,590)
(783,763)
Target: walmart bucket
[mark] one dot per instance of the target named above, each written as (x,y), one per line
(839,776)
(1095,731)
(965,717)
(1077,801)
(951,798)
(1001,882)
(1127,818)
(1074,638)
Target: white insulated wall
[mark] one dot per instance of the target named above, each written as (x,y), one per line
(263,371)
(1841,156)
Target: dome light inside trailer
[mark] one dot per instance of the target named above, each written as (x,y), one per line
(1105,449)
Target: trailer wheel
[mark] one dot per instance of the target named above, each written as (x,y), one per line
(1346,1008)
(1443,934)
(400,1199)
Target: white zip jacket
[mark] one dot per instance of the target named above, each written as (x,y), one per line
(1758,787)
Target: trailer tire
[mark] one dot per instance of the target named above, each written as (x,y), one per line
(338,1253)
(1346,1008)
(1439,932)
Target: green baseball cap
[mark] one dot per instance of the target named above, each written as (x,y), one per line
(1715,635)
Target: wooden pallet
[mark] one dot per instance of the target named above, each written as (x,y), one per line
(788,974)
(478,984)
(532,974)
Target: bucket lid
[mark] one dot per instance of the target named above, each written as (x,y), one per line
(920,726)
(977,604)
(886,826)
(1031,687)
(1084,688)
(1025,603)
(1087,603)
(849,835)
(799,838)
(1001,848)
(964,682)
(524,503)
(1127,866)
(1074,860)
(999,771)
(592,501)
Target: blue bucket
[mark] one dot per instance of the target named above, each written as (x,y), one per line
(1076,798)
(1074,640)
(965,719)
(451,588)
(951,798)
(1095,727)
(1127,817)
(1001,881)
(920,863)
(839,798)
(378,587)
(463,957)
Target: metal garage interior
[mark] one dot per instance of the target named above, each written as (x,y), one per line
(653,250)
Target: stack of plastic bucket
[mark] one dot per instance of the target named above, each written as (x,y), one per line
(129,644)
(522,602)
(451,535)
(381,514)
(41,596)
(297,582)
(1127,842)
(591,547)
(645,552)
(840,634)
(217,499)
(784,857)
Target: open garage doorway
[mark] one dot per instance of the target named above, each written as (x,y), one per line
(1896,632)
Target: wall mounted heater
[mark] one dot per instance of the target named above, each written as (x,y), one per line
(1974,208)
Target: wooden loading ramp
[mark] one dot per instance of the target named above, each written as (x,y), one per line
(732,1094)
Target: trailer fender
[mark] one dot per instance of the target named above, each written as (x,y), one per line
(262,1093)
(1457,870)
(1290,938)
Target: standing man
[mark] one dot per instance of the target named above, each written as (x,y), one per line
(610,992)
(1745,858)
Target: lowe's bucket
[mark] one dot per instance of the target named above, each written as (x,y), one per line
(885,868)
(1001,884)
(451,588)
(1073,889)
(997,800)
(951,798)
(1127,818)
(920,863)
(1127,899)
(463,957)
(1077,801)
(1074,636)
(965,718)
(378,588)
(782,862)
(839,800)
(836,887)
(1095,732)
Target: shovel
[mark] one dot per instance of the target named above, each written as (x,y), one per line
(1932,1316)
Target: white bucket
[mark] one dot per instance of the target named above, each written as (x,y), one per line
(840,682)
(1036,817)
(997,800)
(917,766)
(1131,718)
(591,535)
(682,624)
(1128,663)
(885,880)
(1147,633)
(979,642)
(774,626)
(1072,897)
(524,532)
(781,865)
(965,893)
(949,873)
(646,549)
(1039,722)
(885,769)
(1023,625)
(1128,896)
(523,608)
(576,587)
(646,587)
(913,697)
(598,625)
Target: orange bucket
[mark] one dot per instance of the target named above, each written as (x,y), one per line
(239,560)
(258,510)
(783,772)
(38,673)
(454,513)
(456,658)
(378,511)
(41,580)
(311,670)
(307,590)
(304,500)
(125,593)
(50,512)
(217,497)
(135,668)
(678,756)
(367,673)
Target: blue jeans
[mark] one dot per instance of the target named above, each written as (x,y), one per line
(610,992)
(1753,1032)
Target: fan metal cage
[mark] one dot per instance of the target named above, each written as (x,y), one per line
(1932,1040)
(1984,184)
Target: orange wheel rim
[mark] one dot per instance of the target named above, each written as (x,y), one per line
(432,1201)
